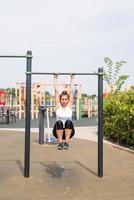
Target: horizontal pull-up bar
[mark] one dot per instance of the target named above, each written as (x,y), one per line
(15,56)
(45,73)
(28,55)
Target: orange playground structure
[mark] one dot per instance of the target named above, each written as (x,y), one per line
(39,96)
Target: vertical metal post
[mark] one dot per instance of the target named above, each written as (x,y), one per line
(100,122)
(7,116)
(28,115)
(41,124)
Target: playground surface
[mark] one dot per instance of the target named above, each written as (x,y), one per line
(35,123)
(64,174)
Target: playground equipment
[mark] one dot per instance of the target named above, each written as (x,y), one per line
(7,97)
(7,115)
(39,96)
(7,110)
(2,97)
(15,98)
(29,74)
(88,106)
(44,136)
(4,115)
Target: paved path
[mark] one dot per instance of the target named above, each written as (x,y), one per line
(88,133)
(63,174)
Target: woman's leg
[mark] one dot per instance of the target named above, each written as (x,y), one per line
(58,130)
(68,134)
(69,130)
(59,134)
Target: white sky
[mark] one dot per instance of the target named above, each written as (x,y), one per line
(66,36)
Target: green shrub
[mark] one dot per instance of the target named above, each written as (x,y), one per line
(119,118)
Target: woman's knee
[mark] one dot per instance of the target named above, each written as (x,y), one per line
(59,125)
(68,124)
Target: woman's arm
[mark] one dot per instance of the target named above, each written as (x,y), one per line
(71,91)
(56,89)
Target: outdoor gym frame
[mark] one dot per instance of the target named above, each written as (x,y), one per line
(29,74)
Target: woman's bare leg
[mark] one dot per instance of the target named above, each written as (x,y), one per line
(59,134)
(67,135)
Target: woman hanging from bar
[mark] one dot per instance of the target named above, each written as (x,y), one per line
(63,128)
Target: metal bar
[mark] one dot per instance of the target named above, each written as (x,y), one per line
(50,106)
(6,56)
(28,116)
(45,73)
(100,123)
(41,124)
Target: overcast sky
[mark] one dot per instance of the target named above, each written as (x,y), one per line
(66,36)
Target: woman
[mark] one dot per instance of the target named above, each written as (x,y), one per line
(63,128)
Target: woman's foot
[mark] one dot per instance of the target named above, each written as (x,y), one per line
(66,146)
(60,146)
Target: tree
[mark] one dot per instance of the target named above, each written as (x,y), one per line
(112,74)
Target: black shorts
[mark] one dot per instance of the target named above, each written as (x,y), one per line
(59,126)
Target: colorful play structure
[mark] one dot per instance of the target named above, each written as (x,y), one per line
(15,99)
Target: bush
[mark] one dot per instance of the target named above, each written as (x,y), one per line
(119,118)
